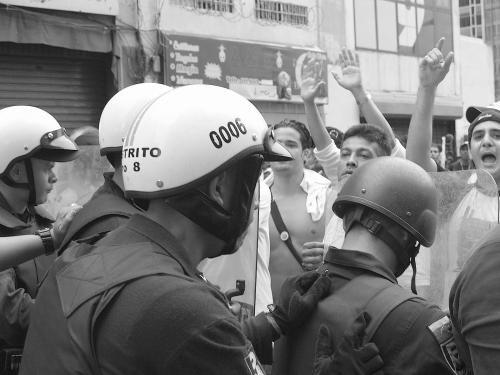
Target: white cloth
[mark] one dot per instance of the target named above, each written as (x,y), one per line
(316,187)
(248,263)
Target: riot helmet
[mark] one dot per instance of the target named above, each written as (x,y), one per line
(121,111)
(188,136)
(390,196)
(31,132)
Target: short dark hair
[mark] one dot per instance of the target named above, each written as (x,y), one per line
(438,146)
(305,137)
(372,134)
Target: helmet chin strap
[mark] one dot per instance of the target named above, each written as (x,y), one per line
(227,225)
(30,185)
(405,251)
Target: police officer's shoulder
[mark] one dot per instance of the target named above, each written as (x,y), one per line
(9,224)
(177,302)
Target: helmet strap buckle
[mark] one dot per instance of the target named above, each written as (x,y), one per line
(373,226)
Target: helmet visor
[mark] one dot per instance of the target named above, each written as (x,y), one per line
(273,151)
(57,146)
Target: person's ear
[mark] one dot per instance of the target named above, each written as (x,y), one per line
(216,189)
(18,173)
(306,154)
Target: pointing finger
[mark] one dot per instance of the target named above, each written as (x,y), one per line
(440,43)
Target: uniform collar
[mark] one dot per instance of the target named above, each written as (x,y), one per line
(7,219)
(110,185)
(163,238)
(358,260)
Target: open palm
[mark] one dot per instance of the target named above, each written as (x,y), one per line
(351,77)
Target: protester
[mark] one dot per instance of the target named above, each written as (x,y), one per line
(389,209)
(436,151)
(298,208)
(462,163)
(34,143)
(338,165)
(483,139)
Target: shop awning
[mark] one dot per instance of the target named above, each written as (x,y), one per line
(71,30)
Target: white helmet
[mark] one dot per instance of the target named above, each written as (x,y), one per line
(186,137)
(31,132)
(189,135)
(121,111)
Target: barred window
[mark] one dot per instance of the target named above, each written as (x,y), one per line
(223,6)
(276,11)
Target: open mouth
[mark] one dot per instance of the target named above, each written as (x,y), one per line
(489,159)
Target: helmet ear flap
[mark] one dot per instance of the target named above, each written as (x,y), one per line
(17,173)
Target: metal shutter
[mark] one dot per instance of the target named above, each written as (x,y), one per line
(70,85)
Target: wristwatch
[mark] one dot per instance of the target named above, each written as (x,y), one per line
(47,240)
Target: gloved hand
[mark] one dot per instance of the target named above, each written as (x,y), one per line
(353,355)
(298,298)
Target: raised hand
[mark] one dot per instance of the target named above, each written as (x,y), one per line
(351,73)
(434,67)
(309,89)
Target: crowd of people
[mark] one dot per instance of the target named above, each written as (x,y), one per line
(268,249)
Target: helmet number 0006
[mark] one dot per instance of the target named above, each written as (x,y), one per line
(225,134)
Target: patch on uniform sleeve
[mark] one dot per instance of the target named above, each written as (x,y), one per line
(253,364)
(442,332)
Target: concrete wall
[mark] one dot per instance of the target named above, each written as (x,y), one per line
(240,25)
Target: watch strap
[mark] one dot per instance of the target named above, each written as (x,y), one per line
(47,240)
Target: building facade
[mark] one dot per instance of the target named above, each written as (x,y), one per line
(69,57)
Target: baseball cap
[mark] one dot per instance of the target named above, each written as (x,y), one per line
(477,114)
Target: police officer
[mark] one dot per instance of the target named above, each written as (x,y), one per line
(389,208)
(108,208)
(133,302)
(32,141)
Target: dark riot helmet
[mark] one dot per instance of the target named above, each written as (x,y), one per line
(387,195)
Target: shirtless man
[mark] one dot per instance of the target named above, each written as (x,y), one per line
(300,195)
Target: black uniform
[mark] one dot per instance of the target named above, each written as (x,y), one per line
(18,285)
(133,304)
(399,325)
(105,211)
(475,308)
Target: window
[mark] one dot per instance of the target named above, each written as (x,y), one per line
(223,6)
(279,12)
(366,36)
(407,27)
(470,18)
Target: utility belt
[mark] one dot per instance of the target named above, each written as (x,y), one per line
(10,360)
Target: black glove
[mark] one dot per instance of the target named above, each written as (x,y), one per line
(298,298)
(352,357)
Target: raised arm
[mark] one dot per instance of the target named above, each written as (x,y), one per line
(308,91)
(432,70)
(351,80)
